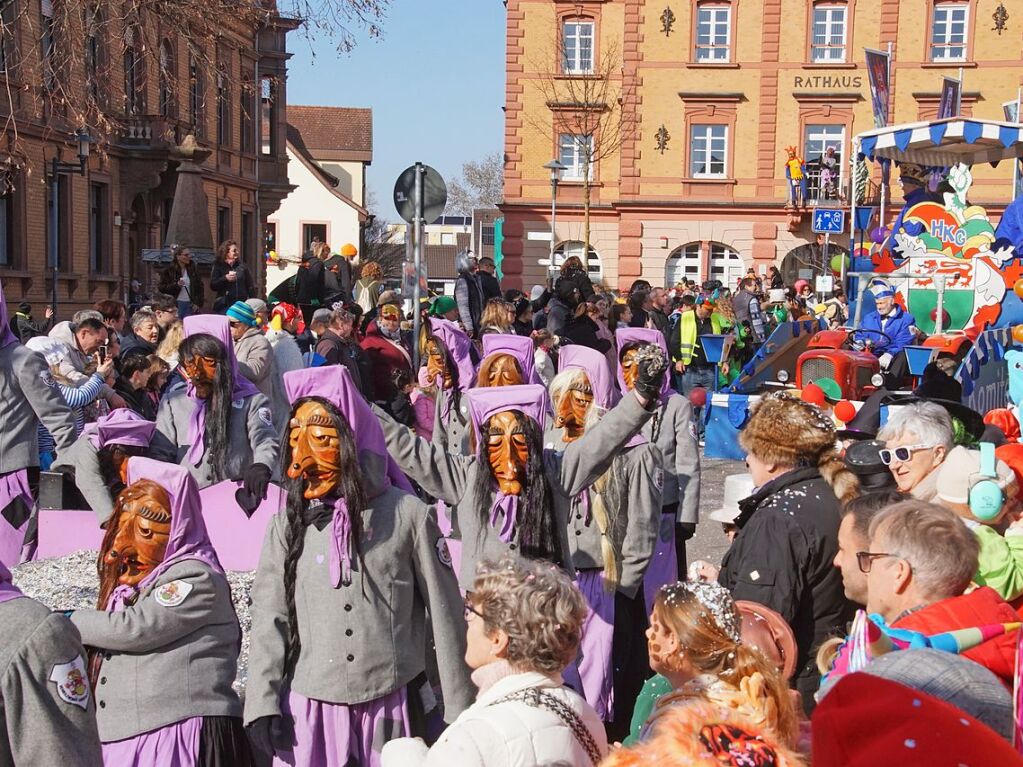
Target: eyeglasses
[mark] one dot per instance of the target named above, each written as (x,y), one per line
(470,609)
(901,454)
(864,559)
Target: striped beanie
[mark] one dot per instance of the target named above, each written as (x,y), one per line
(243,313)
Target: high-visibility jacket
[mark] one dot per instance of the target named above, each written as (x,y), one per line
(687,334)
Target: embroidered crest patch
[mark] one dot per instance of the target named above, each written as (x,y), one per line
(264,415)
(47,377)
(659,478)
(238,404)
(172,594)
(443,554)
(72,682)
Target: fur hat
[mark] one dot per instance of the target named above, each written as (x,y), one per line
(788,431)
(705,735)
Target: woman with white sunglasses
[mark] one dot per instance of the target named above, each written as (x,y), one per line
(917,439)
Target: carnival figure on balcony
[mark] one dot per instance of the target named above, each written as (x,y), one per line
(829,175)
(795,173)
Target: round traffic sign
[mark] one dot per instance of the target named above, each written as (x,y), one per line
(435,193)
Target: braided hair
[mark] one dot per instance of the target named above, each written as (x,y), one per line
(218,404)
(538,536)
(349,487)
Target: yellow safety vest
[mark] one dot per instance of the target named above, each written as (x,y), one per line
(687,333)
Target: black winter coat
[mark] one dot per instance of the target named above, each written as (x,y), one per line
(583,331)
(573,287)
(309,284)
(228,292)
(783,557)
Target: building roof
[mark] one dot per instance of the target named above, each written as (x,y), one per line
(328,180)
(332,133)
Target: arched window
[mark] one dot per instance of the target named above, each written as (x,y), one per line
(223,108)
(94,52)
(196,96)
(726,265)
(134,76)
(683,264)
(571,248)
(168,71)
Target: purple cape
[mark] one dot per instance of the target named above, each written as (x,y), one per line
(219,327)
(7,336)
(188,538)
(626,336)
(120,427)
(458,346)
(519,347)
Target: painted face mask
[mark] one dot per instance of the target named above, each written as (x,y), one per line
(500,370)
(507,452)
(630,368)
(437,364)
(315,450)
(201,371)
(572,410)
(143,515)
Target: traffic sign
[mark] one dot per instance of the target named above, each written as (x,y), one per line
(828,221)
(435,194)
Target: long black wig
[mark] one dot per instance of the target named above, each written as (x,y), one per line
(218,405)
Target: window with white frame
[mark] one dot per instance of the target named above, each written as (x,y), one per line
(683,264)
(829,34)
(824,169)
(565,250)
(573,150)
(577,46)
(725,264)
(713,32)
(708,145)
(948,31)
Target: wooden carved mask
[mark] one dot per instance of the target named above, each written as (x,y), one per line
(201,371)
(507,452)
(315,449)
(143,526)
(573,407)
(500,370)
(437,363)
(630,368)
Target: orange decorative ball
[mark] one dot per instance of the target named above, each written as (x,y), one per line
(1017,334)
(845,411)
(813,394)
(1018,288)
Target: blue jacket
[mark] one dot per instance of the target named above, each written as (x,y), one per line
(898,329)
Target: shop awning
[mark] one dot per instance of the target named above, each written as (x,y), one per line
(944,143)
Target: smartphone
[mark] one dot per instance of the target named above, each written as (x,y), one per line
(103,353)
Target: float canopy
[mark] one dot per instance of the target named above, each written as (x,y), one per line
(944,143)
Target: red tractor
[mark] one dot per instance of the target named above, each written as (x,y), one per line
(829,355)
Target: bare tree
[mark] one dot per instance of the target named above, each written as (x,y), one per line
(378,242)
(586,113)
(481,185)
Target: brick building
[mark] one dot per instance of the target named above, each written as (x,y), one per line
(714,92)
(121,205)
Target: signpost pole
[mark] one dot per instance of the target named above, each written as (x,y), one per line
(418,251)
(827,263)
(1015,160)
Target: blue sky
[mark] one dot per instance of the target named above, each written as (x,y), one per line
(435,82)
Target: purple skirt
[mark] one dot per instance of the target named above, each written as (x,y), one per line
(663,567)
(336,735)
(16,506)
(596,667)
(176,745)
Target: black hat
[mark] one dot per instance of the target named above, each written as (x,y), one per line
(867,422)
(864,460)
(25,308)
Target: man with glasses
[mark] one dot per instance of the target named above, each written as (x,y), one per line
(920,561)
(917,438)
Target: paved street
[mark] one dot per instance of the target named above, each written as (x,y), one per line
(710,543)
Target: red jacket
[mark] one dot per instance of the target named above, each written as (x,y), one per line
(978,608)
(385,357)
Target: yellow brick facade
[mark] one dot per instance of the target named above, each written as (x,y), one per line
(769,95)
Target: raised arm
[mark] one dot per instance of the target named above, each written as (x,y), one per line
(590,456)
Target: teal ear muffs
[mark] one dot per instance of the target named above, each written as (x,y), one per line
(986,497)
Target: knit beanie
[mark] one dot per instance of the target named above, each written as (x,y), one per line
(242,312)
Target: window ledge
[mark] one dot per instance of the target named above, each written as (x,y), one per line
(579,183)
(722,180)
(580,76)
(711,65)
(948,65)
(108,278)
(836,65)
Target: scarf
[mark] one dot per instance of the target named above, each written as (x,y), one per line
(506,508)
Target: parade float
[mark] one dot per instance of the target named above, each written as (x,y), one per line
(958,273)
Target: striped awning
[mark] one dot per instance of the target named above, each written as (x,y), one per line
(944,143)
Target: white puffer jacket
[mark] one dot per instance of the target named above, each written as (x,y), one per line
(509,734)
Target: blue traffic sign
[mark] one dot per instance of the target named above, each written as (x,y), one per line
(828,221)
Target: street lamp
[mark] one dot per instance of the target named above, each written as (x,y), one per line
(57,167)
(556,169)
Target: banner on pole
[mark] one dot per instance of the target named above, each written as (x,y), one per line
(877,75)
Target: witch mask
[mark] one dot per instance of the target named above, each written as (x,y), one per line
(500,370)
(315,449)
(507,452)
(573,407)
(630,367)
(138,542)
(201,371)
(437,363)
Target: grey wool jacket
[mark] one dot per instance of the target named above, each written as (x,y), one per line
(257,362)
(252,437)
(676,437)
(365,640)
(452,478)
(165,658)
(634,499)
(452,434)
(28,395)
(83,459)
(44,724)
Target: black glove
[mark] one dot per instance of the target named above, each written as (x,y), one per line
(255,482)
(652,366)
(685,530)
(262,734)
